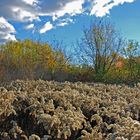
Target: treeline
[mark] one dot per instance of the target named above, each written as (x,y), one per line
(104,56)
(32,60)
(27,59)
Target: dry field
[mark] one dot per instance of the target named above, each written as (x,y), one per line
(42,110)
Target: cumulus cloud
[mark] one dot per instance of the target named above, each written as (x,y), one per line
(23,10)
(31,2)
(48,26)
(30,26)
(31,10)
(103,7)
(17,10)
(65,22)
(7,31)
(72,8)
(23,15)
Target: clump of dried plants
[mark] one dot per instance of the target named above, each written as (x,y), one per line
(48,110)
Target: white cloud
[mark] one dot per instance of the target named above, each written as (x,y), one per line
(65,22)
(103,7)
(29,11)
(48,26)
(62,24)
(23,15)
(72,8)
(30,26)
(7,31)
(31,2)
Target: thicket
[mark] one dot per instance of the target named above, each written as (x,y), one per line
(30,60)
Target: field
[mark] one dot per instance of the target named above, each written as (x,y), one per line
(48,110)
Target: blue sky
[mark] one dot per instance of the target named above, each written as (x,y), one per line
(65,19)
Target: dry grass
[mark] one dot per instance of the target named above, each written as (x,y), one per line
(45,110)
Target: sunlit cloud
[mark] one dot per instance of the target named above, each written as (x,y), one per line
(48,26)
(30,11)
(7,31)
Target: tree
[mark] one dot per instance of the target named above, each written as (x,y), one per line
(28,59)
(100,46)
(132,54)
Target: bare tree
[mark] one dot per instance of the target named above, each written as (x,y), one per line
(60,46)
(100,45)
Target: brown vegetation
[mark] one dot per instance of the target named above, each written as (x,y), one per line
(45,110)
(33,109)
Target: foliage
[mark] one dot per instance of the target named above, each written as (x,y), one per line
(27,59)
(100,45)
(132,54)
(105,58)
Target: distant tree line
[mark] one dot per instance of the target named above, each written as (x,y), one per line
(103,54)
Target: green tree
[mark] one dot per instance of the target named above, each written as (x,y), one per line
(132,54)
(100,45)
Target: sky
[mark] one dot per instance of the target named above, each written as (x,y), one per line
(46,20)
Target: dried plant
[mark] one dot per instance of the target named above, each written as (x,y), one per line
(43,110)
